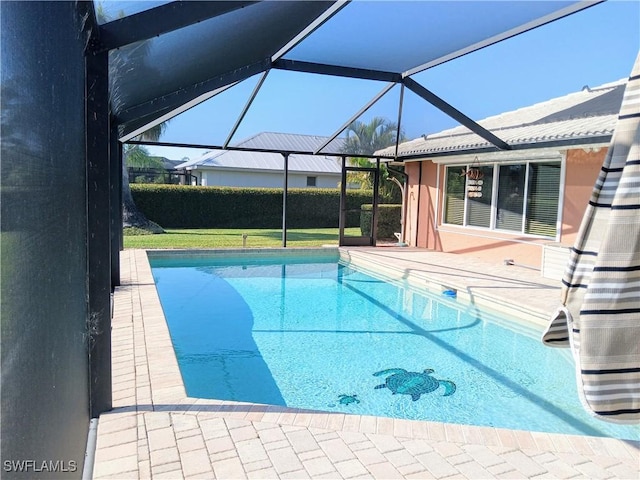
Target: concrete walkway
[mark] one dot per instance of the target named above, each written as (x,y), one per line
(156,431)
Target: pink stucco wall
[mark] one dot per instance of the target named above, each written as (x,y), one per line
(581,174)
(426,231)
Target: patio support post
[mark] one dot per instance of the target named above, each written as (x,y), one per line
(284,199)
(98,231)
(343,201)
(115,203)
(374,216)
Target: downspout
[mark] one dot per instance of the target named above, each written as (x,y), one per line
(90,451)
(403,190)
(418,205)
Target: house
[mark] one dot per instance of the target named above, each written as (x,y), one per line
(164,172)
(521,206)
(243,168)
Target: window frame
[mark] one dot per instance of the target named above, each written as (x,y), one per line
(496,164)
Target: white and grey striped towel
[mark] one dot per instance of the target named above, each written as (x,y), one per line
(600,313)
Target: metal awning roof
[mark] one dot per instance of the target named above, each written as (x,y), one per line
(258,154)
(168,57)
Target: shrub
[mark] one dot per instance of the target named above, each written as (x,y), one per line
(186,206)
(389,220)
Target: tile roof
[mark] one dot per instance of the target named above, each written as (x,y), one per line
(587,114)
(265,161)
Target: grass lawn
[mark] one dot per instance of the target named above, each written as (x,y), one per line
(232,238)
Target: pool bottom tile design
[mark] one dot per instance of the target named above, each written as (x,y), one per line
(413,383)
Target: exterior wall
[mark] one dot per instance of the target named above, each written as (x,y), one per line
(424,215)
(413,186)
(581,174)
(221,178)
(45,366)
(426,231)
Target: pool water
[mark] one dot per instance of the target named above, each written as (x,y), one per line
(314,333)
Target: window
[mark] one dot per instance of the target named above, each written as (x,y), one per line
(542,199)
(454,198)
(311,181)
(522,197)
(509,214)
(479,193)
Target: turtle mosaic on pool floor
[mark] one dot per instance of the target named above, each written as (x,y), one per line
(413,383)
(347,399)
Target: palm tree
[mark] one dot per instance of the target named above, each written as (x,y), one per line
(131,215)
(366,139)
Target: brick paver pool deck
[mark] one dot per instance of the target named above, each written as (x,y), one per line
(156,431)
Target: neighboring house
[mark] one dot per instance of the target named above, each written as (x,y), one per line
(166,174)
(170,165)
(235,168)
(523,205)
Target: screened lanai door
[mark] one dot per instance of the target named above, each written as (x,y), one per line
(358,218)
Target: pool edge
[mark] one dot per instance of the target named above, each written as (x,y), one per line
(153,427)
(165,374)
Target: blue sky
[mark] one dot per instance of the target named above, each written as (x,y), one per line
(592,47)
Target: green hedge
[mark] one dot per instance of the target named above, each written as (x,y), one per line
(185,206)
(389,220)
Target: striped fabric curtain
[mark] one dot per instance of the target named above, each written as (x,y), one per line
(600,313)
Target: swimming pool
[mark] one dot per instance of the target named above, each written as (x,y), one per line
(310,332)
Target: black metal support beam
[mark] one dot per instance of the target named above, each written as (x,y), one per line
(162,19)
(285,191)
(440,104)
(162,105)
(245,149)
(142,124)
(312,27)
(98,231)
(343,202)
(115,203)
(246,108)
(375,213)
(399,126)
(573,7)
(336,70)
(366,107)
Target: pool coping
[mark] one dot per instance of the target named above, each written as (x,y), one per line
(148,391)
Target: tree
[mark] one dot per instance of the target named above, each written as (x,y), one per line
(131,215)
(366,139)
(140,162)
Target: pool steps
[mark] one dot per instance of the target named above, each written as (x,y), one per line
(468,290)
